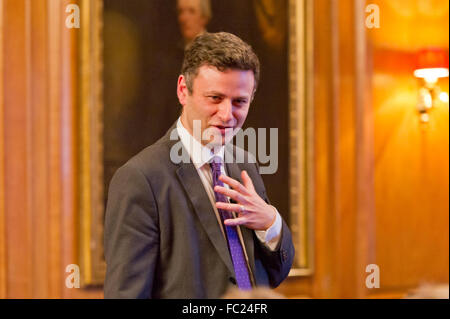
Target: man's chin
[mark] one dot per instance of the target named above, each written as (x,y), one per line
(218,137)
(217,141)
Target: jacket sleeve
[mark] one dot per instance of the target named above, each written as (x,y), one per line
(278,262)
(131,235)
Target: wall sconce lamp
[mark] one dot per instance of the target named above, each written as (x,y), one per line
(431,64)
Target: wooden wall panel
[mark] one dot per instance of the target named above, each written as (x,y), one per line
(2,169)
(68,156)
(324,102)
(38,100)
(38,157)
(342,139)
(54,27)
(365,237)
(17,148)
(411,159)
(411,180)
(381,178)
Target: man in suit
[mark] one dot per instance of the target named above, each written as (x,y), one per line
(193,228)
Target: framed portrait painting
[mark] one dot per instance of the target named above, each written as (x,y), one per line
(130,58)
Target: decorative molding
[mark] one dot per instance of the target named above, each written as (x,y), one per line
(365,145)
(54,9)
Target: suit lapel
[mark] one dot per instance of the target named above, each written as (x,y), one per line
(189,178)
(192,184)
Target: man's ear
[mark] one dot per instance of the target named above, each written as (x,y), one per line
(182,90)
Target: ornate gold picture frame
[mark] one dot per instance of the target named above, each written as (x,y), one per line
(301,118)
(90,160)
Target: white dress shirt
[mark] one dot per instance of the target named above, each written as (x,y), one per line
(200,156)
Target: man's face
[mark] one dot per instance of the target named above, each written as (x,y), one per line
(190,17)
(220,100)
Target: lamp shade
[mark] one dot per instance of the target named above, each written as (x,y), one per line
(431,63)
(432,58)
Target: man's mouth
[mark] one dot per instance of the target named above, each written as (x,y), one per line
(223,129)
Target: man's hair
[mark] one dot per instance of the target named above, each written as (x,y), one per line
(221,50)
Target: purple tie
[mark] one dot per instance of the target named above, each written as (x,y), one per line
(234,244)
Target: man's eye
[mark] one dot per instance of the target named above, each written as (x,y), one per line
(240,101)
(215,98)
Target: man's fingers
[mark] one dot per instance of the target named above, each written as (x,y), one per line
(234,184)
(247,180)
(230,193)
(235,221)
(230,207)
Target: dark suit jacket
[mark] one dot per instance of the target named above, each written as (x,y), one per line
(162,238)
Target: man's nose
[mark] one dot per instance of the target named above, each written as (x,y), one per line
(225,111)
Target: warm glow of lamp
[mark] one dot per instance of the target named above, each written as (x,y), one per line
(443,97)
(431,64)
(432,74)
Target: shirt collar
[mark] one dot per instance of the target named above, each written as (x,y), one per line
(199,153)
